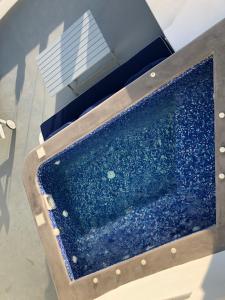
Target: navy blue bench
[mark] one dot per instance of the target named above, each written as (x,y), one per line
(147,58)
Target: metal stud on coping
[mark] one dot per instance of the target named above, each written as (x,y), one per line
(222,176)
(95,280)
(222,149)
(143,262)
(221,115)
(173,250)
(152,74)
(118,272)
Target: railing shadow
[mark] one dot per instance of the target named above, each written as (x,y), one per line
(5,188)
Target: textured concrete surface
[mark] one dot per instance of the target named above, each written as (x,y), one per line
(24,32)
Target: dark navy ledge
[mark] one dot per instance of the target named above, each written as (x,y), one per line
(147,58)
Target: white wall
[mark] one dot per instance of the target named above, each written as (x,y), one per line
(202,279)
(184,20)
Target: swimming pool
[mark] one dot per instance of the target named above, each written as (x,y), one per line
(142,180)
(136,185)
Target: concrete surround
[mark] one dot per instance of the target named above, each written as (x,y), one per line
(186,249)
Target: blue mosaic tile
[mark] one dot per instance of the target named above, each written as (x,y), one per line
(144,179)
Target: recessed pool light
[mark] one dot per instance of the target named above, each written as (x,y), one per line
(57,162)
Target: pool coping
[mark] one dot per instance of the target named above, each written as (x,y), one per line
(194,246)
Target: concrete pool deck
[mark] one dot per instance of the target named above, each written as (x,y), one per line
(25,30)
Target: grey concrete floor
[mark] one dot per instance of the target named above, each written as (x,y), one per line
(25,31)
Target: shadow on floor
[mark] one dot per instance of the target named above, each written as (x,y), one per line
(20,79)
(5,184)
(21,37)
(50,293)
(214,282)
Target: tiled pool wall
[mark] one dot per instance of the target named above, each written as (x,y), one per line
(145,178)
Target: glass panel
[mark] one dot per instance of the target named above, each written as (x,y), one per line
(144,179)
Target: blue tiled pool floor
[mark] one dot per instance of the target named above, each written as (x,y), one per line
(142,180)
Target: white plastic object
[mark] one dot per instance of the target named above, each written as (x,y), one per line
(10,124)
(2,133)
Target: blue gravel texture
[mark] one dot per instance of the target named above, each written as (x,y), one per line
(144,179)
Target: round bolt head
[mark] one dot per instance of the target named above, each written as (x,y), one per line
(221,176)
(221,115)
(152,74)
(143,262)
(95,280)
(222,149)
(118,272)
(173,250)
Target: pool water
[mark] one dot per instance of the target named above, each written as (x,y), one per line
(144,179)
